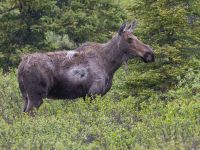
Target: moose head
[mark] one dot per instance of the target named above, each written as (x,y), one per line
(132,46)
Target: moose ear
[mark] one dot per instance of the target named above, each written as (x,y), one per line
(122,28)
(132,26)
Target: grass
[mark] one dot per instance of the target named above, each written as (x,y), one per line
(148,120)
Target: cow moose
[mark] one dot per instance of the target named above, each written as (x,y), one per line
(87,70)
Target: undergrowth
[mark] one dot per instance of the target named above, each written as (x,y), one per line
(146,118)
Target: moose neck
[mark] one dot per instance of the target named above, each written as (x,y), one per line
(112,56)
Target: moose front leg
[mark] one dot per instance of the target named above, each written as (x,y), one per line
(97,88)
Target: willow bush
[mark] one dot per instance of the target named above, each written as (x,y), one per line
(147,120)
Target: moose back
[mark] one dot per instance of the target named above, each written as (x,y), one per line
(87,70)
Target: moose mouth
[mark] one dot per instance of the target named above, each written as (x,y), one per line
(148,57)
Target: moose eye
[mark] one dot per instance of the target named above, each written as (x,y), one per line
(129,40)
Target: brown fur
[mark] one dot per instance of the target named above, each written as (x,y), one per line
(88,70)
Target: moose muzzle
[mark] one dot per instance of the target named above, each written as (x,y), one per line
(148,57)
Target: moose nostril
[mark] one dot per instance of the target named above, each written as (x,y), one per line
(149,57)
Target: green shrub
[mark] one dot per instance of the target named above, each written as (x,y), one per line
(142,121)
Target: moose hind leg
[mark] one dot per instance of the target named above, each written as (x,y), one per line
(34,92)
(25,103)
(33,102)
(23,91)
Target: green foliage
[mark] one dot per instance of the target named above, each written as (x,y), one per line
(49,25)
(91,20)
(106,123)
(172,29)
(55,41)
(23,24)
(166,22)
(150,106)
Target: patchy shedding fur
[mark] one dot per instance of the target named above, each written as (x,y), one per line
(87,70)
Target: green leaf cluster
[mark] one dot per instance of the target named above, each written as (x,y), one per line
(150,120)
(43,25)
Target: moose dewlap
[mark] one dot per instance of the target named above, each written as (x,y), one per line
(87,70)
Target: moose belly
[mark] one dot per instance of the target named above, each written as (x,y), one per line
(67,92)
(72,83)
